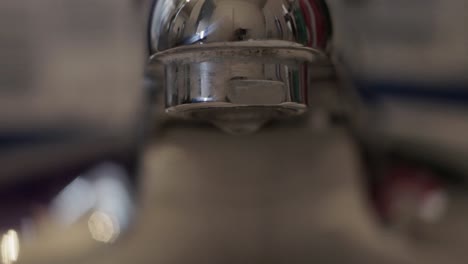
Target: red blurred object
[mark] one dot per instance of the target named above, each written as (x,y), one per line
(404,191)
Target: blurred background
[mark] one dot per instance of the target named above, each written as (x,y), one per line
(233,131)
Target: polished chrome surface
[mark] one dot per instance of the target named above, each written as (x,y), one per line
(251,59)
(184,22)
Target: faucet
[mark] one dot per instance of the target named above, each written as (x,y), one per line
(238,63)
(274,196)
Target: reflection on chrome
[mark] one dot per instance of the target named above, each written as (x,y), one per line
(10,247)
(103,227)
(210,21)
(249,60)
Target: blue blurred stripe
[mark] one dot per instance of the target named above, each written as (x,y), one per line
(450,93)
(19,139)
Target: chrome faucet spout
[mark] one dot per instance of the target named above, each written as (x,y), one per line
(238,63)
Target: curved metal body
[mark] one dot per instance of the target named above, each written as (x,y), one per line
(238,60)
(184,22)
